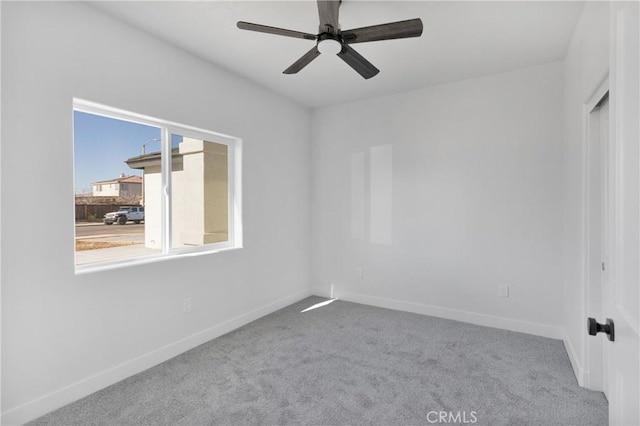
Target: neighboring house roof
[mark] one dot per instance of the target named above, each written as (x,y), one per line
(123,179)
(151,159)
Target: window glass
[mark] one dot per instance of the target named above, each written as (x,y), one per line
(106,188)
(200,192)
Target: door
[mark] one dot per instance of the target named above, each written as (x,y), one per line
(597,121)
(621,284)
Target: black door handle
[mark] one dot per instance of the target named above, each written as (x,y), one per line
(593,327)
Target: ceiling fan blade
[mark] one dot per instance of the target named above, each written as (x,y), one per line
(392,30)
(329,14)
(357,62)
(273,30)
(303,61)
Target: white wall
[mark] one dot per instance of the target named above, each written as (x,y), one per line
(586,67)
(460,189)
(63,335)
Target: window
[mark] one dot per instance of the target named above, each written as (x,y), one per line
(175,191)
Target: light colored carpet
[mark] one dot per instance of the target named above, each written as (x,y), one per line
(346,363)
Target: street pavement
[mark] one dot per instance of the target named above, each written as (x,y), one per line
(84,230)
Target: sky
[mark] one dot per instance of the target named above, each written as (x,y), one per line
(102,144)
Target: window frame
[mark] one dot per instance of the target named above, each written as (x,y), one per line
(167,128)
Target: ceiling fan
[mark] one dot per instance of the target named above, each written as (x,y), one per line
(332,40)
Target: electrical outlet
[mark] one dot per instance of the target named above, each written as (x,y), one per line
(186,305)
(503,290)
(359,273)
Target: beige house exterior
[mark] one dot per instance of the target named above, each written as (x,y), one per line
(124,187)
(200,197)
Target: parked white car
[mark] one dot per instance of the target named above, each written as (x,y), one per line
(124,214)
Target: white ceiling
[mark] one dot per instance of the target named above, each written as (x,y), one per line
(460,40)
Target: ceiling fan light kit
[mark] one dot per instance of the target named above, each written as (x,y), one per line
(331,40)
(329,46)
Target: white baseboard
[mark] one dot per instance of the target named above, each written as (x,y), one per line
(61,397)
(537,329)
(578,370)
